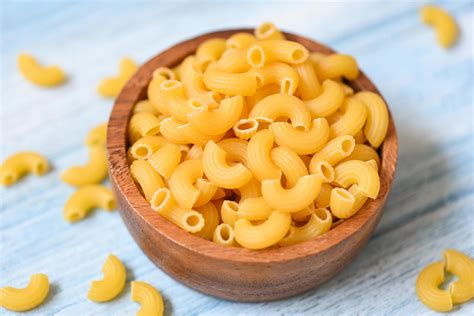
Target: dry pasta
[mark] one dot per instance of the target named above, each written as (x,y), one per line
(253,141)
(40,75)
(18,165)
(27,298)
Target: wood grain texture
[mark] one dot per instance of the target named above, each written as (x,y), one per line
(235,273)
(429,91)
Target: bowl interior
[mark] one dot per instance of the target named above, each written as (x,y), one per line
(136,89)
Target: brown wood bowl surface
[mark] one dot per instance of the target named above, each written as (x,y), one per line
(236,274)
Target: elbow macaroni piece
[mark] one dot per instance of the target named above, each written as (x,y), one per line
(302,194)
(174,96)
(263,52)
(259,156)
(376,126)
(309,87)
(301,142)
(245,128)
(143,124)
(144,147)
(234,61)
(230,83)
(360,173)
(193,82)
(210,50)
(95,171)
(147,177)
(85,199)
(283,105)
(220,172)
(290,164)
(342,203)
(224,235)
(111,87)
(364,153)
(111,284)
(211,220)
(328,101)
(443,23)
(333,152)
(279,74)
(166,159)
(148,297)
(229,212)
(335,66)
(268,31)
(324,197)
(18,165)
(181,182)
(40,75)
(352,121)
(240,40)
(97,136)
(319,222)
(265,234)
(254,209)
(27,298)
(428,291)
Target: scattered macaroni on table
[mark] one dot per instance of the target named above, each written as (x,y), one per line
(255,142)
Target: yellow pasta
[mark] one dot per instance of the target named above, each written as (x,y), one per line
(164,72)
(217,121)
(263,52)
(254,209)
(279,74)
(303,193)
(97,136)
(181,182)
(364,153)
(360,137)
(147,177)
(27,298)
(353,119)
(300,141)
(335,66)
(341,203)
(328,101)
(428,291)
(457,263)
(146,146)
(443,23)
(174,96)
(268,31)
(145,106)
(40,75)
(240,40)
(169,128)
(360,173)
(165,159)
(262,235)
(154,94)
(229,212)
(260,94)
(211,220)
(192,135)
(245,128)
(320,221)
(233,60)
(283,105)
(359,198)
(376,126)
(309,87)
(193,82)
(210,50)
(18,165)
(324,170)
(194,153)
(111,284)
(95,171)
(207,191)
(111,87)
(230,83)
(87,198)
(250,190)
(164,204)
(259,157)
(143,124)
(333,152)
(220,172)
(148,297)
(224,235)
(304,214)
(290,164)
(324,197)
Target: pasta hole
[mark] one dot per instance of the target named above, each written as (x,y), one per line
(347,146)
(321,213)
(170,84)
(260,80)
(142,152)
(251,124)
(216,97)
(153,131)
(326,171)
(298,55)
(225,233)
(164,72)
(448,279)
(193,220)
(264,28)
(256,57)
(300,128)
(159,198)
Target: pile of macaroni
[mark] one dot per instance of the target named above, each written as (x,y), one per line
(254,141)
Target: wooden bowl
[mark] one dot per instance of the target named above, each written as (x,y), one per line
(236,274)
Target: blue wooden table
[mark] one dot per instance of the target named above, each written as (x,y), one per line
(429,90)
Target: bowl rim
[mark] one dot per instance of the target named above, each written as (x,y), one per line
(119,171)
